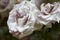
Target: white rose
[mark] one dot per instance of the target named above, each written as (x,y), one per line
(21,19)
(50,13)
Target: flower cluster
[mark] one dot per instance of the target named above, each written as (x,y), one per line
(26,17)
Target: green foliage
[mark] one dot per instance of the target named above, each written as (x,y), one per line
(47,33)
(4,34)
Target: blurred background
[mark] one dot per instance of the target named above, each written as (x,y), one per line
(44,34)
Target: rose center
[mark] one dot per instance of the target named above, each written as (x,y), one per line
(49,12)
(51,9)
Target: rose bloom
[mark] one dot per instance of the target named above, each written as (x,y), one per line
(22,21)
(49,13)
